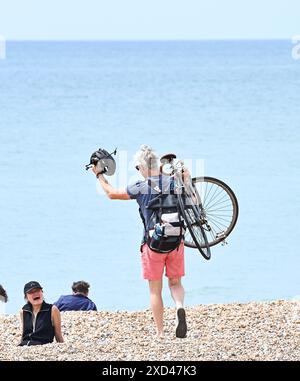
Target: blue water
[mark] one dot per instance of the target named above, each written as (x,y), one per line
(234,105)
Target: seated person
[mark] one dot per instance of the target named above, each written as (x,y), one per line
(40,320)
(78,301)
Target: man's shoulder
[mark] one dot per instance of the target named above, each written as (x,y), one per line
(135,188)
(66,296)
(141,187)
(137,183)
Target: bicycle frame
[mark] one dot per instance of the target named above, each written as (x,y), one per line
(212,213)
(185,187)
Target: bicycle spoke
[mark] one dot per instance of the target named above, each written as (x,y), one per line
(212,233)
(218,223)
(208,192)
(218,210)
(224,217)
(216,230)
(228,219)
(205,191)
(213,203)
(212,197)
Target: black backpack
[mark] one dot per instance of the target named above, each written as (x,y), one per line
(165,229)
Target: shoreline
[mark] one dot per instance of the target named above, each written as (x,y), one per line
(232,331)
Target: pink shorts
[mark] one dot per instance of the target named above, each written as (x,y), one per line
(153,263)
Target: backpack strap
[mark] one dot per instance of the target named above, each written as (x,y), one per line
(142,218)
(152,184)
(172,186)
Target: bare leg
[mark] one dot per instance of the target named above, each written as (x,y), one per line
(157,306)
(177,291)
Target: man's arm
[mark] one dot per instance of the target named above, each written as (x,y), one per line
(21,323)
(112,193)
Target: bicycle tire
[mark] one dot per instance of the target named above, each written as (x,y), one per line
(192,219)
(223,223)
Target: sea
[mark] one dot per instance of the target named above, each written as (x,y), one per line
(230,109)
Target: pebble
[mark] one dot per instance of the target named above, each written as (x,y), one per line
(250,331)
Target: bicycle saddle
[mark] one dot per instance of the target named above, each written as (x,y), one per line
(167,158)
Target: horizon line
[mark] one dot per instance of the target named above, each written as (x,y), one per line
(148,40)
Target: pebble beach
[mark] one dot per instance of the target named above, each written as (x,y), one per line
(251,331)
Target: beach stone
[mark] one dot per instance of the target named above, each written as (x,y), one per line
(253,331)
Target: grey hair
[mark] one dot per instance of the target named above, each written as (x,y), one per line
(146,157)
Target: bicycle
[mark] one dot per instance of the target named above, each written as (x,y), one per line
(208,206)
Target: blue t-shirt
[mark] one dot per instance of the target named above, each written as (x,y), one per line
(76,302)
(143,193)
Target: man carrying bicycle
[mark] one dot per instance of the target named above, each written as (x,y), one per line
(158,251)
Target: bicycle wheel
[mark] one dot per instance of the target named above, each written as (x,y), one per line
(219,207)
(192,218)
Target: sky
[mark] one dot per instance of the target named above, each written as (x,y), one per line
(148,19)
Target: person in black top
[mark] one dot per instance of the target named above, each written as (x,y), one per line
(3,294)
(40,320)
